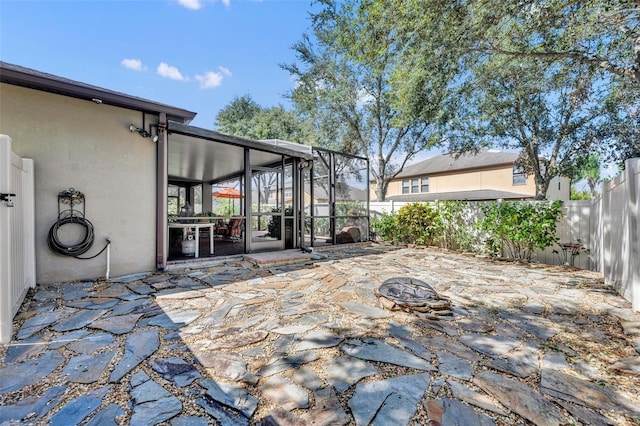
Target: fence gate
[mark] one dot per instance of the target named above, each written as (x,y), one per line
(17,242)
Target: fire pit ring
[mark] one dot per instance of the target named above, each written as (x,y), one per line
(408,291)
(410,294)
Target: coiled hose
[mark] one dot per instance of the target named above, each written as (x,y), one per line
(74,250)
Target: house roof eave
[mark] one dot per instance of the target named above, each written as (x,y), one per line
(473,195)
(32,79)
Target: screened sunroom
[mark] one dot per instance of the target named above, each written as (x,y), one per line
(228,195)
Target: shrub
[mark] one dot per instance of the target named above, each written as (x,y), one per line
(517,228)
(419,223)
(579,195)
(454,225)
(386,227)
(447,223)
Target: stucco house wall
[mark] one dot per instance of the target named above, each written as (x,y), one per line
(87,146)
(487,174)
(499,178)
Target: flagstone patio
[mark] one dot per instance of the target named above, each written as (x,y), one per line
(233,343)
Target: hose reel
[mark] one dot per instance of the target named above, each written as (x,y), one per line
(71,210)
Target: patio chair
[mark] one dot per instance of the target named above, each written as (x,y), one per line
(233,230)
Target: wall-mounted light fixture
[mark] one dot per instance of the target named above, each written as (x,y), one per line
(143,132)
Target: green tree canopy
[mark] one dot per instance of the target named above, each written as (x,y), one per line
(348,72)
(599,33)
(588,168)
(236,118)
(245,117)
(554,79)
(551,114)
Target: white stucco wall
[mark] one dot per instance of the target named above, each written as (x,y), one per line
(559,189)
(80,144)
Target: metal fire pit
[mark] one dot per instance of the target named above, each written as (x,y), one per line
(409,294)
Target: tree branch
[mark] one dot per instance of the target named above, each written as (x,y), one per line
(631,72)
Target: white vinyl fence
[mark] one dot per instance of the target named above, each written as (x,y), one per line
(17,243)
(607,228)
(615,243)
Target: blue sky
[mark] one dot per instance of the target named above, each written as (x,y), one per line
(192,54)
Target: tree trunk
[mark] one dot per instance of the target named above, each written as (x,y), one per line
(542,186)
(381,190)
(592,186)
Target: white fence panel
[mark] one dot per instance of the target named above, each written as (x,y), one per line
(621,237)
(573,227)
(633,170)
(17,236)
(596,223)
(378,208)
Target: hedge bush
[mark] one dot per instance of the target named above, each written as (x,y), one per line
(517,228)
(419,223)
(508,228)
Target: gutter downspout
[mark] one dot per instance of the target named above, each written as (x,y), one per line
(161,191)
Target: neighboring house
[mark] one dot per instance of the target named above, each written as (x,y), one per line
(344,192)
(132,158)
(488,175)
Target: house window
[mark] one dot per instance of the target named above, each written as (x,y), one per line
(519,176)
(414,186)
(424,184)
(405,186)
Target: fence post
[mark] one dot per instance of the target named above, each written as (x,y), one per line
(632,178)
(27,193)
(6,317)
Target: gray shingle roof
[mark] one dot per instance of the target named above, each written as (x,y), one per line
(447,163)
(476,195)
(343,192)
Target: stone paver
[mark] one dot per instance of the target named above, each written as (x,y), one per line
(152,404)
(376,350)
(453,412)
(17,376)
(78,409)
(179,371)
(390,401)
(87,368)
(307,343)
(138,347)
(343,372)
(34,407)
(284,393)
(520,398)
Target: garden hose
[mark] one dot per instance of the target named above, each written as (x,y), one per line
(73,215)
(74,250)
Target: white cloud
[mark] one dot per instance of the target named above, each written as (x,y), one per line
(199,4)
(210,79)
(133,64)
(191,4)
(168,71)
(225,71)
